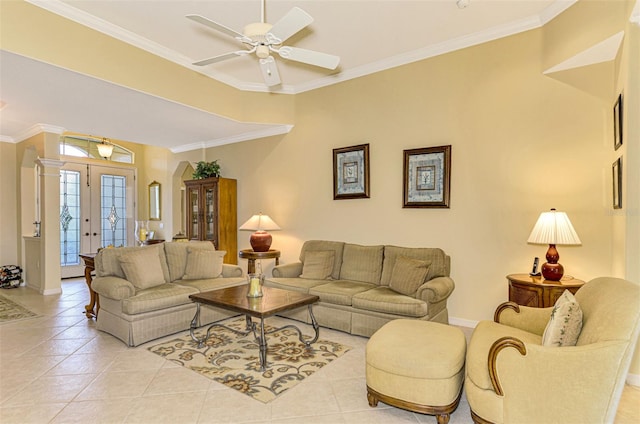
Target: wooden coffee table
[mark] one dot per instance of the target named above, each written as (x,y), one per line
(273,301)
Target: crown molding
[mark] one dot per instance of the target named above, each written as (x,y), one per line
(60,8)
(246,136)
(35,130)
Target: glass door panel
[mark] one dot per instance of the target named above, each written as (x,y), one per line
(193,213)
(209,212)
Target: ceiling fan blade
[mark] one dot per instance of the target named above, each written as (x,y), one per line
(295,20)
(221,57)
(269,71)
(219,27)
(310,57)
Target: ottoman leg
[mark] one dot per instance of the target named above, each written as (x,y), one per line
(373,401)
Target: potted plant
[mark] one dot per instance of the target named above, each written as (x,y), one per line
(206,170)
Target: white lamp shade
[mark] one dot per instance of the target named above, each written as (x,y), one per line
(260,223)
(554,227)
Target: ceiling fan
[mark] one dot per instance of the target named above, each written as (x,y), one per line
(263,39)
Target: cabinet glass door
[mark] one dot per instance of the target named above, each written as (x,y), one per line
(210,213)
(192,217)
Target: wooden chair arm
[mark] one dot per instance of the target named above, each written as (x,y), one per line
(504,306)
(497,346)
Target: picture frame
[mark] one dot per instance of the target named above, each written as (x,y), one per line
(427,177)
(617,122)
(617,183)
(351,172)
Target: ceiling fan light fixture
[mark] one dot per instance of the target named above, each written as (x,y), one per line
(262,51)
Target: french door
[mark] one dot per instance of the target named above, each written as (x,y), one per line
(97,207)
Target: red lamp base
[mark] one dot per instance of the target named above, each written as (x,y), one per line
(260,241)
(552,270)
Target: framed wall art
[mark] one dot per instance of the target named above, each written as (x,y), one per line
(427,177)
(351,172)
(617,123)
(617,183)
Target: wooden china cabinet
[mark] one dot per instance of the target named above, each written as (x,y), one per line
(212,214)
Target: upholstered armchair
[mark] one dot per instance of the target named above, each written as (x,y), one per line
(511,377)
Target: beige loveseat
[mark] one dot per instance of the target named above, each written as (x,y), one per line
(144,291)
(361,288)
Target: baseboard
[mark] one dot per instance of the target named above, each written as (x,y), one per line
(461,322)
(51,291)
(632,379)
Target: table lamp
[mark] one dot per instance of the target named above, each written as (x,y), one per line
(553,228)
(260,240)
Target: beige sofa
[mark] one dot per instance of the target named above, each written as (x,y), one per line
(361,288)
(144,291)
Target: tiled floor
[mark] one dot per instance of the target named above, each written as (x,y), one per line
(58,368)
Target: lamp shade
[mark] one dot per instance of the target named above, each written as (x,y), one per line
(259,222)
(554,227)
(260,240)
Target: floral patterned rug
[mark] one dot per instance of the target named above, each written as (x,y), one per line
(12,311)
(234,360)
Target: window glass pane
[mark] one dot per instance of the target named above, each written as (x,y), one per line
(69,218)
(113,210)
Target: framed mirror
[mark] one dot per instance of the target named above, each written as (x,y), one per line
(155,201)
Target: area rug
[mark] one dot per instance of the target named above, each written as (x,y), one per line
(234,360)
(12,311)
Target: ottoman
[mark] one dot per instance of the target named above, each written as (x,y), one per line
(416,365)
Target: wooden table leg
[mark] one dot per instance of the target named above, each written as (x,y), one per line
(251,266)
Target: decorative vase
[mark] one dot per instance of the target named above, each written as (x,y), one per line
(255,285)
(142,232)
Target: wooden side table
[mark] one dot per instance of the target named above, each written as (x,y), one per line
(91,310)
(526,290)
(251,256)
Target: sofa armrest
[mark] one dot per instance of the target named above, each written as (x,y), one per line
(435,290)
(532,320)
(291,270)
(518,369)
(229,270)
(113,287)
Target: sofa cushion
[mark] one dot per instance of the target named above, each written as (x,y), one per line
(339,292)
(142,268)
(207,284)
(293,283)
(203,263)
(362,263)
(318,265)
(156,298)
(176,253)
(408,274)
(437,257)
(107,260)
(322,245)
(385,300)
(565,322)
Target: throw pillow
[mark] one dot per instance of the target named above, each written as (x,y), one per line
(408,274)
(142,268)
(565,323)
(203,264)
(318,264)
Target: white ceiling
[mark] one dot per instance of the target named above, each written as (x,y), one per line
(368,35)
